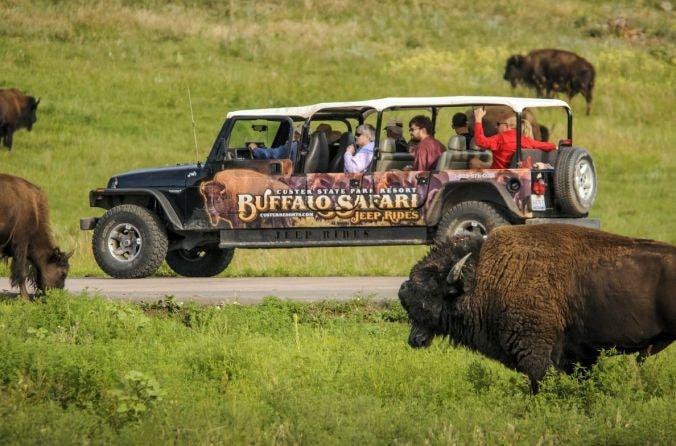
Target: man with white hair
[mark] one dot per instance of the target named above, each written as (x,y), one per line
(358,160)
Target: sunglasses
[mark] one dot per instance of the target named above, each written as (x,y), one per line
(357,135)
(500,123)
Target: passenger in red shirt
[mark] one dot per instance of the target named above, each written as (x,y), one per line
(503,145)
(429,149)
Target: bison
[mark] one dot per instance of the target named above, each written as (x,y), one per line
(551,71)
(533,296)
(16,111)
(25,236)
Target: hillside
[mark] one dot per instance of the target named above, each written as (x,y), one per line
(113,78)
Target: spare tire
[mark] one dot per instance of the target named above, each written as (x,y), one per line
(575,181)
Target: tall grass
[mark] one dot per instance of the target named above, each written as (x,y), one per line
(80,369)
(113,78)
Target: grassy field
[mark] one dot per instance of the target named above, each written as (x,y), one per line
(88,371)
(113,78)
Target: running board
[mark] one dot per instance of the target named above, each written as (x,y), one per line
(311,237)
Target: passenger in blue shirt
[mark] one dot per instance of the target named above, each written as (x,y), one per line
(279,152)
(359,160)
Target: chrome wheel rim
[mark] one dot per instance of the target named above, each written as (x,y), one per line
(124,242)
(584,180)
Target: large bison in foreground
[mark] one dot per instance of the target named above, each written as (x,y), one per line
(548,295)
(551,71)
(16,111)
(26,237)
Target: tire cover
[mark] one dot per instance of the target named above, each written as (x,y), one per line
(575,182)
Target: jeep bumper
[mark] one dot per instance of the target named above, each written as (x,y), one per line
(593,223)
(88,223)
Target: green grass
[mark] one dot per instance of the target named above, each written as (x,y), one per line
(80,369)
(113,78)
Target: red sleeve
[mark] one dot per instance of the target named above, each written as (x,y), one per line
(531,143)
(482,141)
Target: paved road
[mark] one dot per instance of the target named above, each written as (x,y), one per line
(228,290)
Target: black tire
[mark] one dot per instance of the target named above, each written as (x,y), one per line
(202,261)
(575,182)
(129,242)
(470,216)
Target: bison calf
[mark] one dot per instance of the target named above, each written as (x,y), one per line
(16,111)
(533,297)
(25,236)
(551,71)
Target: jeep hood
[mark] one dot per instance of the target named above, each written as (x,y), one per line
(173,176)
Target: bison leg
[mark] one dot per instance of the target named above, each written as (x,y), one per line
(657,346)
(7,140)
(535,364)
(588,98)
(19,266)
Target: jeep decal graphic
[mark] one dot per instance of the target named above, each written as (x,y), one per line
(251,199)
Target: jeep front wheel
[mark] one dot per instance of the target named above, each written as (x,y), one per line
(129,242)
(202,261)
(470,216)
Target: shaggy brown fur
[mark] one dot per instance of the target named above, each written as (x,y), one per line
(25,236)
(550,71)
(546,295)
(16,111)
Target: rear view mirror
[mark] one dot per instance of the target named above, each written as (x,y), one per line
(260,127)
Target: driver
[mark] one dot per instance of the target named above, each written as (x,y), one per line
(279,152)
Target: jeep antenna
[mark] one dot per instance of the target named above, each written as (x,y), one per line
(192,117)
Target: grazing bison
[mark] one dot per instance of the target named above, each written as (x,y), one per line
(533,297)
(16,111)
(26,237)
(551,71)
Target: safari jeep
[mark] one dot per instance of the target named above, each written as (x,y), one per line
(194,216)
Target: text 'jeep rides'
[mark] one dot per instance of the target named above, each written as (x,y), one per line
(194,216)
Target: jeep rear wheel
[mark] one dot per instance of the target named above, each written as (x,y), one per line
(129,242)
(575,181)
(470,216)
(202,261)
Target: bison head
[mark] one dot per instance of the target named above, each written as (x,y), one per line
(436,283)
(53,273)
(29,113)
(514,70)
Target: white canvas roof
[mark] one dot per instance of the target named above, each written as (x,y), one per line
(517,104)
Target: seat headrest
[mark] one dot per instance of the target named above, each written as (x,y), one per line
(387,145)
(457,142)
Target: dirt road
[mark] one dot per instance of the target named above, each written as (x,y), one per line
(230,290)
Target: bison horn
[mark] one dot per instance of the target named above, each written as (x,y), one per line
(455,272)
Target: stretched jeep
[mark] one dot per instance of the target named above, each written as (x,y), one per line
(194,216)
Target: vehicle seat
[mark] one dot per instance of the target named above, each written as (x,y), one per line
(336,164)
(317,158)
(388,158)
(456,157)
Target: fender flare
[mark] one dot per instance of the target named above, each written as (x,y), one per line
(469,190)
(109,198)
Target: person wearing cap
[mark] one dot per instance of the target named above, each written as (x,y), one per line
(358,160)
(429,149)
(278,152)
(503,144)
(394,129)
(460,124)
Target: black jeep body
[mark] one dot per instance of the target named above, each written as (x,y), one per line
(194,216)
